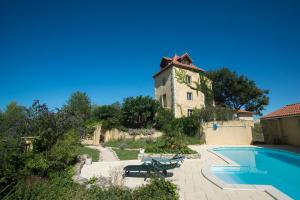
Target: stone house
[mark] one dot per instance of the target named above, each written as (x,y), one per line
(174,95)
(282,125)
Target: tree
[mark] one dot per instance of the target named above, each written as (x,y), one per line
(237,91)
(79,104)
(109,115)
(13,120)
(106,112)
(139,112)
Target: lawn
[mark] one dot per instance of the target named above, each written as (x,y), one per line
(150,146)
(93,153)
(128,143)
(143,143)
(124,154)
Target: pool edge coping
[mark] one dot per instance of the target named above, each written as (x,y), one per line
(269,189)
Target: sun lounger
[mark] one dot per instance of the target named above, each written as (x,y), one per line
(175,159)
(153,166)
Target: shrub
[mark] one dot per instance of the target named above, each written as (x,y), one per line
(141,131)
(38,164)
(164,150)
(162,118)
(61,186)
(157,189)
(65,151)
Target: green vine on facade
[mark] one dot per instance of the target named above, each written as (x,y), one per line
(202,84)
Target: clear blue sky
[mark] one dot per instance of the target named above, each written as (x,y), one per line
(111,49)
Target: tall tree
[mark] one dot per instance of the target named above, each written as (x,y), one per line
(237,91)
(139,112)
(13,119)
(79,104)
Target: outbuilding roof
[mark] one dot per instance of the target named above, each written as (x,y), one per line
(286,111)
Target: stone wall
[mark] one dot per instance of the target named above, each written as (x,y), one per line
(181,89)
(176,93)
(101,135)
(237,132)
(161,88)
(284,130)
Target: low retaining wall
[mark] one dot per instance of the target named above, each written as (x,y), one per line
(101,135)
(238,132)
(187,156)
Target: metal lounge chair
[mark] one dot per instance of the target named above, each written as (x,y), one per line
(153,166)
(177,158)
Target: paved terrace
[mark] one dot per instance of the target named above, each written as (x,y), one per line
(189,179)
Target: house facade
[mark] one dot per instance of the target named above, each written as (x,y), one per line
(174,95)
(282,125)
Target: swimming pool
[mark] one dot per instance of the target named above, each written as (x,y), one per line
(261,166)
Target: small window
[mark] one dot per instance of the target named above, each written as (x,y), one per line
(189,96)
(189,112)
(163,101)
(188,79)
(164,81)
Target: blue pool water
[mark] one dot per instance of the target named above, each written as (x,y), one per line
(261,166)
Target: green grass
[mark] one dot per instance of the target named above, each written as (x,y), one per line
(151,146)
(93,153)
(124,154)
(128,143)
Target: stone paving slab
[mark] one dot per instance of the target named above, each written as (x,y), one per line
(191,183)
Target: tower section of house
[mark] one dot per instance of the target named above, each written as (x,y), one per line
(174,95)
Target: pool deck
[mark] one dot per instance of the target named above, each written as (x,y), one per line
(192,184)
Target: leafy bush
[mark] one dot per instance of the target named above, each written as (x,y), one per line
(37,164)
(157,189)
(62,154)
(61,186)
(165,150)
(162,118)
(65,150)
(139,112)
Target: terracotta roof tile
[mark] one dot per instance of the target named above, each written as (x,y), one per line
(288,110)
(175,60)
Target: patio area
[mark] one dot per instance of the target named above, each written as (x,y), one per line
(191,183)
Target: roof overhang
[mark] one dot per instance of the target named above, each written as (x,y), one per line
(179,65)
(279,117)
